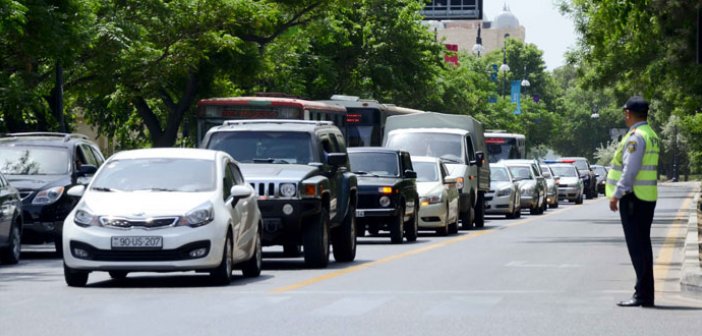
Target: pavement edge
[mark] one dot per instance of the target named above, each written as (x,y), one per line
(691,276)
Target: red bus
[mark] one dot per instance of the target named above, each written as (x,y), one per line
(215,111)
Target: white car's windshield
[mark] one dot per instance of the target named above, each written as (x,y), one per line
(34,161)
(157,174)
(565,171)
(499,174)
(444,146)
(426,171)
(521,172)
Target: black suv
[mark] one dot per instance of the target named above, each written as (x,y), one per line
(43,166)
(387,192)
(300,170)
(586,173)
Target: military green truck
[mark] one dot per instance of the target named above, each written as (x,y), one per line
(458,140)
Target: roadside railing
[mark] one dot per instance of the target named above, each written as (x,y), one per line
(699,227)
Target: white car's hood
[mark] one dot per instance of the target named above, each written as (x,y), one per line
(427,188)
(142,203)
(569,180)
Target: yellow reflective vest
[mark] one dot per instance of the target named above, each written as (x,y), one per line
(645,183)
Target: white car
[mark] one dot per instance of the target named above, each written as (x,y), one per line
(504,197)
(438,195)
(160,210)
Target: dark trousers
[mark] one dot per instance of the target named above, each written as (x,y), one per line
(637,217)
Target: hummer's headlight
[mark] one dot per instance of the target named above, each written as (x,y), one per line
(199,216)
(48,196)
(288,189)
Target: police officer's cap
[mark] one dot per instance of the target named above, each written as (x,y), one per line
(636,104)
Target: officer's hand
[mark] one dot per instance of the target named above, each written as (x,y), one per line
(613,204)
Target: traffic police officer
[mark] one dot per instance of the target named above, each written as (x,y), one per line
(631,188)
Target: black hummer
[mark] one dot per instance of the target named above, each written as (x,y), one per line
(300,170)
(387,192)
(43,166)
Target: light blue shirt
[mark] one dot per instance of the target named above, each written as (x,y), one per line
(632,157)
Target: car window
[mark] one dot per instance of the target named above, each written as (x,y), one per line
(381,164)
(523,172)
(88,155)
(264,147)
(158,175)
(499,174)
(228,180)
(236,173)
(444,170)
(406,162)
(98,156)
(18,160)
(469,149)
(426,171)
(341,143)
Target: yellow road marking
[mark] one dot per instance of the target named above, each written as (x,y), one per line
(662,263)
(391,258)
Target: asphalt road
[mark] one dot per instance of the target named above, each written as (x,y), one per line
(556,274)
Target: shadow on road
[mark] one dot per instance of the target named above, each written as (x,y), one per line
(173,281)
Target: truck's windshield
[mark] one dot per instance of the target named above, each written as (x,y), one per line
(439,145)
(264,147)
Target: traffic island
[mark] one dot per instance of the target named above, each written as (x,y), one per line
(691,277)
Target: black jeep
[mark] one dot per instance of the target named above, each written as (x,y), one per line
(300,170)
(387,192)
(43,166)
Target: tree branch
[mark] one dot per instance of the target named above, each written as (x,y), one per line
(150,120)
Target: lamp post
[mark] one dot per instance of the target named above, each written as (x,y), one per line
(594,116)
(525,82)
(504,67)
(478,47)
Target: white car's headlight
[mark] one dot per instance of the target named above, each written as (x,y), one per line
(527,191)
(504,192)
(48,196)
(431,199)
(199,216)
(85,218)
(288,189)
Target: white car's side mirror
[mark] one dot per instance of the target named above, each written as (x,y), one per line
(76,191)
(240,191)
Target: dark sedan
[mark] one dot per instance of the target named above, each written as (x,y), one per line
(387,192)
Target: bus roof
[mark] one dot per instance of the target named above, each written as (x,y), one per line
(272,101)
(355,102)
(504,135)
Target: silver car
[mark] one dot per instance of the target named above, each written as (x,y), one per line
(503,197)
(570,186)
(532,186)
(552,181)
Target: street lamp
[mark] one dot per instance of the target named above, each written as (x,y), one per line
(478,47)
(525,82)
(504,67)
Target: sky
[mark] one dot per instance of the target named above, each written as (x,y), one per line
(545,26)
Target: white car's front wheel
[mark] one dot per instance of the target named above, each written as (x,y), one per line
(222,275)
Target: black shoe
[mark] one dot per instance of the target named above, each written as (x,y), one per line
(634,302)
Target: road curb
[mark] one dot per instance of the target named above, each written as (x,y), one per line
(691,276)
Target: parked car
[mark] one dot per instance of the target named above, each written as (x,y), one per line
(438,195)
(532,186)
(601,173)
(586,173)
(570,186)
(167,209)
(387,193)
(504,197)
(43,166)
(300,171)
(10,222)
(552,181)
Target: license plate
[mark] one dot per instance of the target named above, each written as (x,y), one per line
(360,213)
(137,242)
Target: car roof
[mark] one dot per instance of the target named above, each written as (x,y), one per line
(374,150)
(49,139)
(273,125)
(567,165)
(174,153)
(519,161)
(573,158)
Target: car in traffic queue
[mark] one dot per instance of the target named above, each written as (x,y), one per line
(10,222)
(43,166)
(601,173)
(301,173)
(532,186)
(504,197)
(552,181)
(387,192)
(438,195)
(570,185)
(160,210)
(586,173)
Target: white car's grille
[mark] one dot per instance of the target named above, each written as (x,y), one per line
(150,223)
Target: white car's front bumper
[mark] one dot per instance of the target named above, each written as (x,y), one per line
(432,215)
(178,242)
(499,205)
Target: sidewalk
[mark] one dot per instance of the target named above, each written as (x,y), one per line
(691,277)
